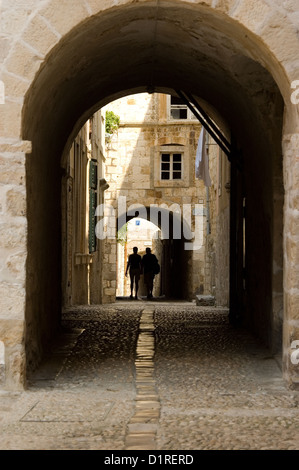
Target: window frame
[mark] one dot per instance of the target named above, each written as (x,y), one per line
(171,170)
(171,147)
(183,106)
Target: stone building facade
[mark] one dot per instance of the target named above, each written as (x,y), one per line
(83,187)
(134,171)
(156,127)
(62,61)
(138,168)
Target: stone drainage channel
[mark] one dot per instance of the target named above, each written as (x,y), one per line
(142,428)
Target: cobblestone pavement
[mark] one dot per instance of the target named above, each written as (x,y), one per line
(152,375)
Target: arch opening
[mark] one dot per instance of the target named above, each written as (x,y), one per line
(173,234)
(135,49)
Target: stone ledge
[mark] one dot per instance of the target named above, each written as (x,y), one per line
(83,258)
(205,300)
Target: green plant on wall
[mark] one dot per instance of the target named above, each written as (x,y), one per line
(122,235)
(111,123)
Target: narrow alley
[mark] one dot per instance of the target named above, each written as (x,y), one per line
(152,375)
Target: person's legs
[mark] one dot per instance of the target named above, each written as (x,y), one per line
(136,287)
(135,276)
(132,284)
(151,285)
(149,280)
(147,283)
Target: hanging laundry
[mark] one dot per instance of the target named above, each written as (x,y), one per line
(202,159)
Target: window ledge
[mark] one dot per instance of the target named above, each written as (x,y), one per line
(83,258)
(172,183)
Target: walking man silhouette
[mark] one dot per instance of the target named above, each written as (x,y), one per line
(149,263)
(135,269)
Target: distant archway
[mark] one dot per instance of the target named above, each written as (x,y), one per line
(173,248)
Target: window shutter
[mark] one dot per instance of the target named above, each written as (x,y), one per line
(92,205)
(93,174)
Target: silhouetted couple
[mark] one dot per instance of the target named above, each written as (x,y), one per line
(146,266)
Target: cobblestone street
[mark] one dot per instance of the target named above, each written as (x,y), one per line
(152,375)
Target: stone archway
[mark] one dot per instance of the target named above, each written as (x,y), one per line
(227,54)
(174,256)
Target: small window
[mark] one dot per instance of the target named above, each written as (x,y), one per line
(171,166)
(179,110)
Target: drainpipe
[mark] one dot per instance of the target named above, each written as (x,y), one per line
(208,211)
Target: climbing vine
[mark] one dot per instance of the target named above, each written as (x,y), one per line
(122,235)
(112,122)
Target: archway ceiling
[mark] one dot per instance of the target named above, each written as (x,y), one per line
(130,49)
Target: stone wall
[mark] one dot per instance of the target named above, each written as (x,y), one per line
(82,272)
(13,228)
(217,253)
(291,258)
(52,79)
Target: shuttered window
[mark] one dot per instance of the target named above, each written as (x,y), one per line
(92,205)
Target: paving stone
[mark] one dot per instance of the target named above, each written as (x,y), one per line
(143,397)
(145,413)
(140,439)
(143,419)
(142,428)
(141,447)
